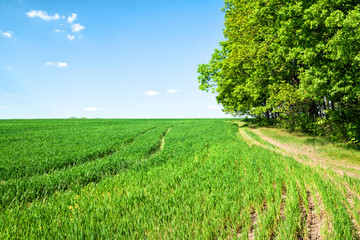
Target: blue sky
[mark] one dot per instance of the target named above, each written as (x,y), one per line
(107,59)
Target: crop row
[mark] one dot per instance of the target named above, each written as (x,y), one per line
(28,189)
(47,145)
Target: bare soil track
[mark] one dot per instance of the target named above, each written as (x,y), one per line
(313,222)
(298,153)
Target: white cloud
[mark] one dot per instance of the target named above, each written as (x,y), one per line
(173,90)
(213,107)
(7,34)
(70,37)
(54,105)
(72,18)
(43,15)
(62,64)
(64,21)
(3,107)
(77,27)
(151,93)
(90,109)
(57,64)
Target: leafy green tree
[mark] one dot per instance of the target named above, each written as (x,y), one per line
(295,62)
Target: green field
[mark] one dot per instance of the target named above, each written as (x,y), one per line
(162,179)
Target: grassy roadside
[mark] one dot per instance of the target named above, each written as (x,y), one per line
(335,154)
(334,151)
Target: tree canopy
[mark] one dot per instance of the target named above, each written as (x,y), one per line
(294,62)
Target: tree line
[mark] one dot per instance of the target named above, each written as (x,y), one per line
(294,63)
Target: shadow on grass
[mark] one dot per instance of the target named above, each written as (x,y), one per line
(316,141)
(257,123)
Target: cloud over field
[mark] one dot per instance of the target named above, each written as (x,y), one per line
(173,90)
(72,18)
(7,34)
(91,109)
(77,27)
(151,93)
(43,15)
(57,64)
(70,37)
(68,22)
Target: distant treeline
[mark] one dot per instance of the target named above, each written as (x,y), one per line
(295,63)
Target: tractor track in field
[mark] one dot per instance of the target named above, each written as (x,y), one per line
(114,150)
(282,204)
(159,147)
(107,152)
(313,222)
(162,145)
(349,204)
(87,159)
(304,216)
(253,218)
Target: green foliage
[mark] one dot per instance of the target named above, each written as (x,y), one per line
(292,61)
